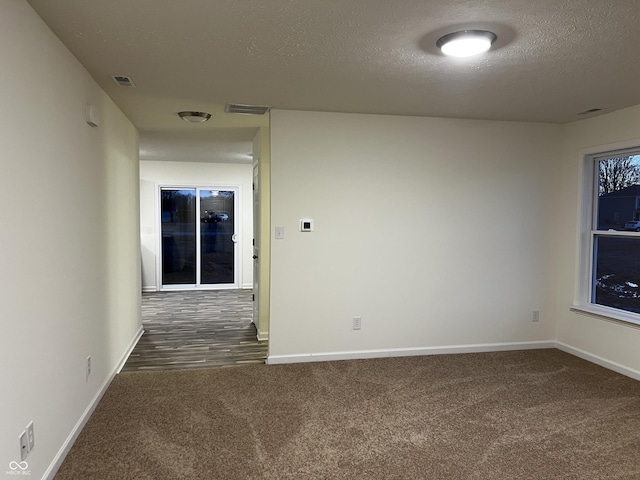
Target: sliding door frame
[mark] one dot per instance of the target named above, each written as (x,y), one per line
(237,244)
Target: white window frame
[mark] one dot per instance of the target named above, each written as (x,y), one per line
(587,232)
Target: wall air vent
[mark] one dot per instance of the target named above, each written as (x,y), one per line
(123,80)
(246,109)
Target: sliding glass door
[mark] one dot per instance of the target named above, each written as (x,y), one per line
(199,240)
(178,229)
(217,236)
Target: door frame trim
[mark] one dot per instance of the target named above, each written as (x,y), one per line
(237,230)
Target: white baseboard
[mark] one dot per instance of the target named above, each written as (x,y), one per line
(452,349)
(149,288)
(130,348)
(262,336)
(603,362)
(84,418)
(407,352)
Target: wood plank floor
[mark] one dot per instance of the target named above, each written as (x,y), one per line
(196,329)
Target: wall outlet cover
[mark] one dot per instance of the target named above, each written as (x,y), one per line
(24,445)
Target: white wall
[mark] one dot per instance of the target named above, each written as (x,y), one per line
(616,343)
(261,159)
(154,173)
(433,230)
(69,242)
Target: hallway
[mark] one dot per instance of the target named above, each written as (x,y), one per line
(196,329)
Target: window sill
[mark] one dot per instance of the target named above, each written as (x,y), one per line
(606,313)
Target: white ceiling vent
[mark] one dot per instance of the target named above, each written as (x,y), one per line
(123,80)
(246,109)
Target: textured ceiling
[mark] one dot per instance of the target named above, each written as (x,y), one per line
(552,58)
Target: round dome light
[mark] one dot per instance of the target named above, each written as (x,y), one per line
(194,117)
(466,43)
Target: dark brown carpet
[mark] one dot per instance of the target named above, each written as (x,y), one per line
(511,415)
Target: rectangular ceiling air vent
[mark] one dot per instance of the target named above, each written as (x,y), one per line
(123,80)
(246,109)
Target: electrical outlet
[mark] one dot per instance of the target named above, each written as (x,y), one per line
(536,316)
(24,445)
(88,367)
(30,437)
(357,323)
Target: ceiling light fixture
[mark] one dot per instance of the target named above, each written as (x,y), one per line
(194,117)
(466,43)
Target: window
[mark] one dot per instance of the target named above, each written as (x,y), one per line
(610,273)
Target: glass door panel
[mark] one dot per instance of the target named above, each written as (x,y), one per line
(178,227)
(217,239)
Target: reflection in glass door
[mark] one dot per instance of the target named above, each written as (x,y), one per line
(217,238)
(199,248)
(178,227)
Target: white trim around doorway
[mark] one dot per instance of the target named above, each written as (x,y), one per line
(237,229)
